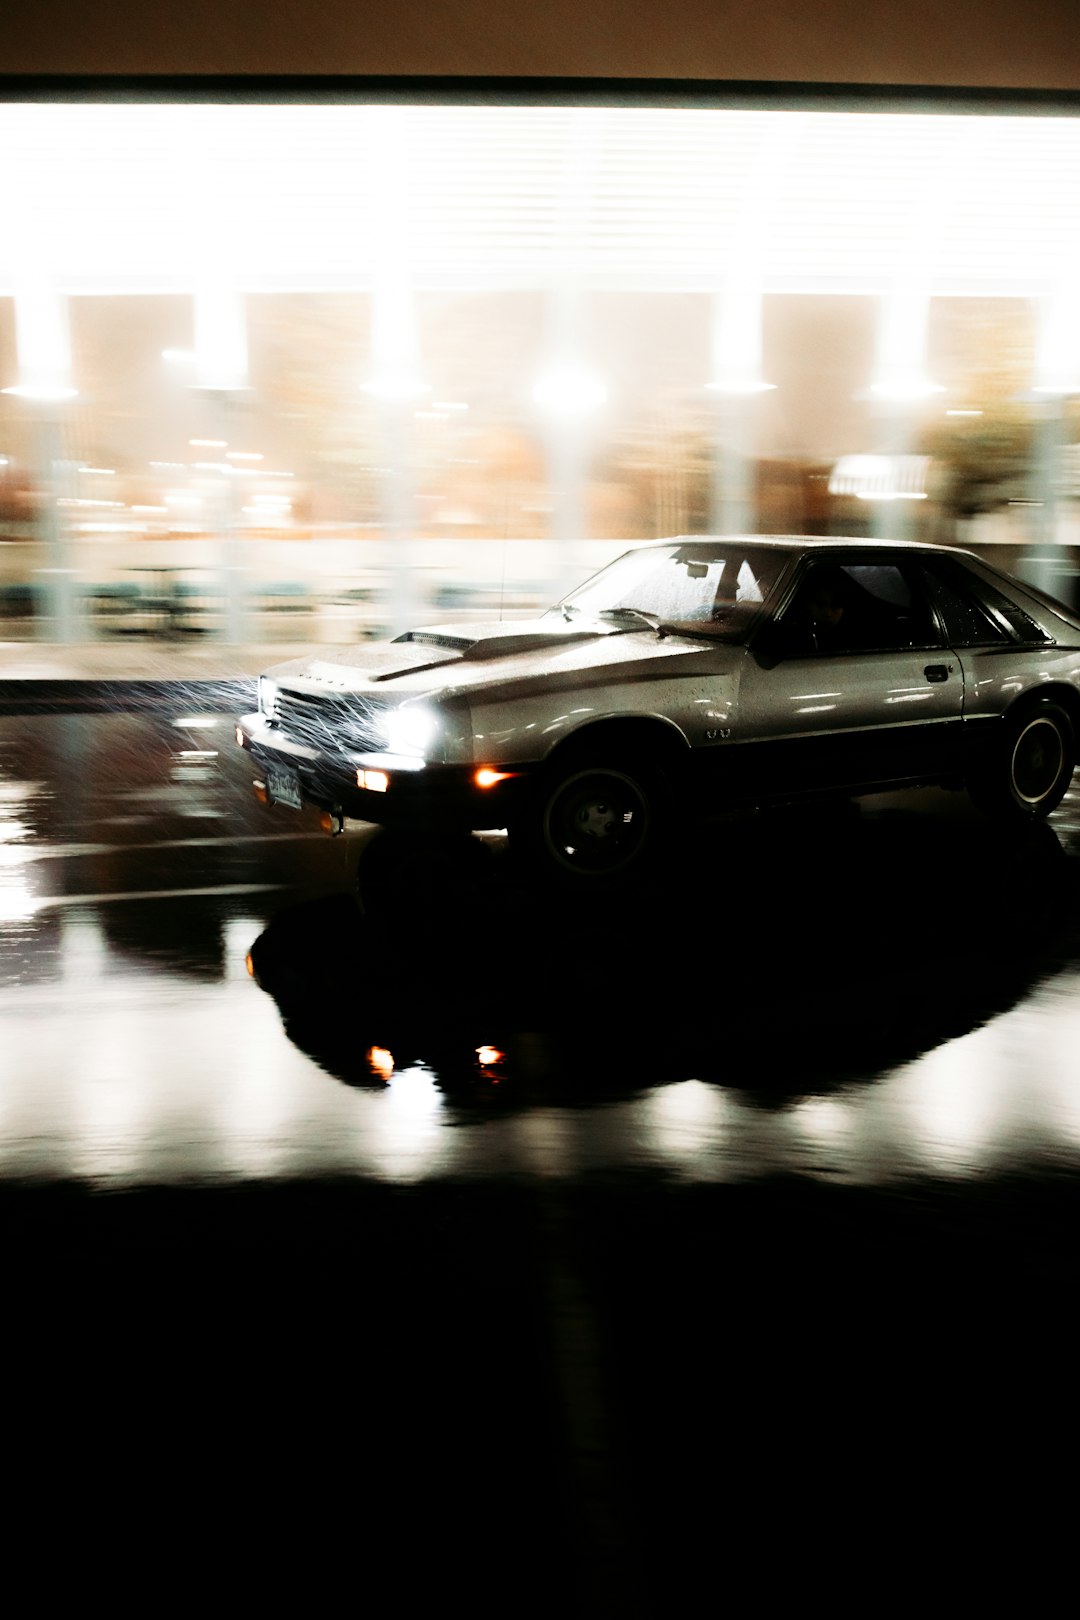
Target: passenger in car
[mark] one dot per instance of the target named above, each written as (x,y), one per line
(842,616)
(828,611)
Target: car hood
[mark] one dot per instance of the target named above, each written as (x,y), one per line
(464,656)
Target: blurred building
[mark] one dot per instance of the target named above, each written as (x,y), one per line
(356,360)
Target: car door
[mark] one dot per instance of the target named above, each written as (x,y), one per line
(852,685)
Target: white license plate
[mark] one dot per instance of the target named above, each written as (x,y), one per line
(283,787)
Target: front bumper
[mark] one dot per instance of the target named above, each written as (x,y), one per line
(440,797)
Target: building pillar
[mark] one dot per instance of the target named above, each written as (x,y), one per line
(397,389)
(568,395)
(900,385)
(221,375)
(43,348)
(736,384)
(1057,379)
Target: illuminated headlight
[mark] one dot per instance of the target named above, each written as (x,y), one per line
(412,729)
(268,691)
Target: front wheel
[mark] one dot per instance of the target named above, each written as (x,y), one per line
(595,820)
(1030,774)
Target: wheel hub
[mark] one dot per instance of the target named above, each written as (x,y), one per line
(597,819)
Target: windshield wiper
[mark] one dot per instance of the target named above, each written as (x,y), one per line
(637,614)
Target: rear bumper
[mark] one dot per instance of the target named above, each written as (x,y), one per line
(436,796)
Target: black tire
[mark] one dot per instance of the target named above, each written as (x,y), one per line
(1033,768)
(595,821)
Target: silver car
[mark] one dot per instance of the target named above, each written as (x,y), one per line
(689,675)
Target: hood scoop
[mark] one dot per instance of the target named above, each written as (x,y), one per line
(497,640)
(436,638)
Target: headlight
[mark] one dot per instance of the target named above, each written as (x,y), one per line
(268,691)
(410,730)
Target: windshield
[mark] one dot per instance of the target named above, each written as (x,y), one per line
(710,587)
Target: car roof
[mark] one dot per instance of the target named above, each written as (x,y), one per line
(811,542)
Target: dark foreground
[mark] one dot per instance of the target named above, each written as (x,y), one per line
(604,1398)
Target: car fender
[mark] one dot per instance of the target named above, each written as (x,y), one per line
(526,730)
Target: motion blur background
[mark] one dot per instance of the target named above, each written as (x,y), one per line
(302,369)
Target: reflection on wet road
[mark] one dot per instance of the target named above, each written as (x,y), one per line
(193,988)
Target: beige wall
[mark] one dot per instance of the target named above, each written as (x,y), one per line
(992,44)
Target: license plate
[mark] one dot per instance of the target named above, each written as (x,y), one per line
(283,787)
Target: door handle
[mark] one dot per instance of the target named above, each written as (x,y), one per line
(937,672)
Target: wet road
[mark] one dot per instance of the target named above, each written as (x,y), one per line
(590,1236)
(869,996)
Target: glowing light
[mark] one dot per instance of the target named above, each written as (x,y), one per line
(395,390)
(17,903)
(410,729)
(490,1054)
(901,345)
(42,340)
(380,1061)
(486,777)
(901,388)
(746,386)
(220,338)
(736,326)
(569,390)
(250,965)
(40,391)
(374,781)
(881,478)
(890,495)
(1057,355)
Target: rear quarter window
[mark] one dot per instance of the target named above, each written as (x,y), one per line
(967,623)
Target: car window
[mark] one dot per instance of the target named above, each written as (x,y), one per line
(967,623)
(1015,617)
(716,586)
(857,607)
(982,620)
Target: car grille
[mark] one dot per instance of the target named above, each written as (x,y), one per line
(330,721)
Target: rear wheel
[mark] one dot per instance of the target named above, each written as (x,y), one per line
(1031,772)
